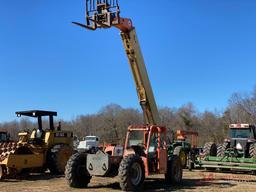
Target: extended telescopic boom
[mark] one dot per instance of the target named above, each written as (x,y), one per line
(106,14)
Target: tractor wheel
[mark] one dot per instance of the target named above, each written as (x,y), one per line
(252,150)
(57,158)
(76,173)
(131,173)
(174,171)
(221,150)
(180,152)
(210,149)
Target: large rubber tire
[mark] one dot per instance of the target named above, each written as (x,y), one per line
(131,173)
(174,171)
(210,148)
(57,158)
(252,150)
(181,153)
(221,148)
(76,173)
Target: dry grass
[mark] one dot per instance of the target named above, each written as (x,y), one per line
(192,182)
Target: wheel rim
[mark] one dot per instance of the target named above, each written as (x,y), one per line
(136,173)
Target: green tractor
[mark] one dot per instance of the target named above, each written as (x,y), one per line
(240,143)
(238,152)
(187,151)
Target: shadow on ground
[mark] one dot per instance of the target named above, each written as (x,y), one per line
(160,185)
(32,177)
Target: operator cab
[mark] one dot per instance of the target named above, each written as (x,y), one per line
(37,136)
(149,142)
(241,137)
(244,131)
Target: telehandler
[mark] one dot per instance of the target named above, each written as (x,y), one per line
(145,151)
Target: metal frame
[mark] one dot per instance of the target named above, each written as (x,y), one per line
(39,114)
(228,163)
(106,14)
(161,151)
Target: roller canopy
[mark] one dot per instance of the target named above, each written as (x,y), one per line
(36,113)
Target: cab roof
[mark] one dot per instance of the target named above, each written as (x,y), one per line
(36,113)
(243,125)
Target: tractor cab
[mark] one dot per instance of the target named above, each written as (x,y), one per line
(242,131)
(241,137)
(148,142)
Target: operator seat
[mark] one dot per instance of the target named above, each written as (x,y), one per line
(152,148)
(39,134)
(39,137)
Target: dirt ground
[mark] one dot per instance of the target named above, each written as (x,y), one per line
(192,181)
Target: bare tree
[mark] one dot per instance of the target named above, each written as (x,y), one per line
(242,107)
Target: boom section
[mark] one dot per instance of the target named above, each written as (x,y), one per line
(140,75)
(106,14)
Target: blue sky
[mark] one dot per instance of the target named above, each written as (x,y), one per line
(197,51)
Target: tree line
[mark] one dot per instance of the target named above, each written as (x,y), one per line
(111,122)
